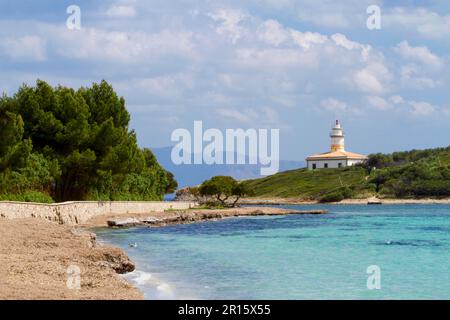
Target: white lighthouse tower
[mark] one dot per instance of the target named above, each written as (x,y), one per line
(337,157)
(337,138)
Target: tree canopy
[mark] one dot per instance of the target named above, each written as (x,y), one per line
(75,145)
(223,188)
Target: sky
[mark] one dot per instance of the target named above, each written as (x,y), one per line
(292,65)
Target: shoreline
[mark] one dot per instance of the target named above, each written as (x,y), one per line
(35,252)
(40,260)
(38,255)
(160,219)
(294,201)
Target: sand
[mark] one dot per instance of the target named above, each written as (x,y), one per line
(35,255)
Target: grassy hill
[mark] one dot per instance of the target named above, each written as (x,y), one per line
(410,174)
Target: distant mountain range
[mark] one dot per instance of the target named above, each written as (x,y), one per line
(191,175)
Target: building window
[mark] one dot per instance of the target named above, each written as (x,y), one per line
(325,165)
(339,165)
(314,166)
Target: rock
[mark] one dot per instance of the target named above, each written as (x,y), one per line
(374,201)
(129,222)
(119,262)
(150,220)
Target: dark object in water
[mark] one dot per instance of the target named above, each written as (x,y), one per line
(374,201)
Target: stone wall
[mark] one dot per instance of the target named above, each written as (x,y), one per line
(77,212)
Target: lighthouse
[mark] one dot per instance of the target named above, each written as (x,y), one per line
(337,137)
(337,157)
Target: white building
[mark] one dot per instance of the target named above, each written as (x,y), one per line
(337,157)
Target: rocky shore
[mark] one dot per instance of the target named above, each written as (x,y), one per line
(157,219)
(40,259)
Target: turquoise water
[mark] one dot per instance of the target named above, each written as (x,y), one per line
(296,256)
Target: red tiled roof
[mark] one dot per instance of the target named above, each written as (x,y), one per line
(337,155)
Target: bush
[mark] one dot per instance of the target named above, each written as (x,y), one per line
(436,188)
(335,196)
(29,196)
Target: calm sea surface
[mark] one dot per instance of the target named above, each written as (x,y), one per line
(297,256)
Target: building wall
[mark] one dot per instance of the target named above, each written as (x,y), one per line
(320,164)
(337,143)
(73,213)
(352,162)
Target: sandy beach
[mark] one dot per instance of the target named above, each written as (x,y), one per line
(35,255)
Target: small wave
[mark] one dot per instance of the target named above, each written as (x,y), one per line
(139,278)
(412,243)
(152,287)
(435,228)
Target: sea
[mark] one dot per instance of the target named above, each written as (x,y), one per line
(353,252)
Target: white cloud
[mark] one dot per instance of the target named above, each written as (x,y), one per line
(332,104)
(420,54)
(278,58)
(396,99)
(246,116)
(229,23)
(221,65)
(426,23)
(306,39)
(341,40)
(421,108)
(25,48)
(272,32)
(378,102)
(121,11)
(254,117)
(411,77)
(166,86)
(122,47)
(416,108)
(367,82)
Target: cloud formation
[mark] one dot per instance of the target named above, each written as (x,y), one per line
(283,64)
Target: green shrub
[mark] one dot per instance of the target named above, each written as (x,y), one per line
(436,188)
(335,196)
(29,196)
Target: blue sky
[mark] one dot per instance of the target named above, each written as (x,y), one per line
(292,65)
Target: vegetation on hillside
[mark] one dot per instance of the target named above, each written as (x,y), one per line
(416,173)
(65,144)
(410,174)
